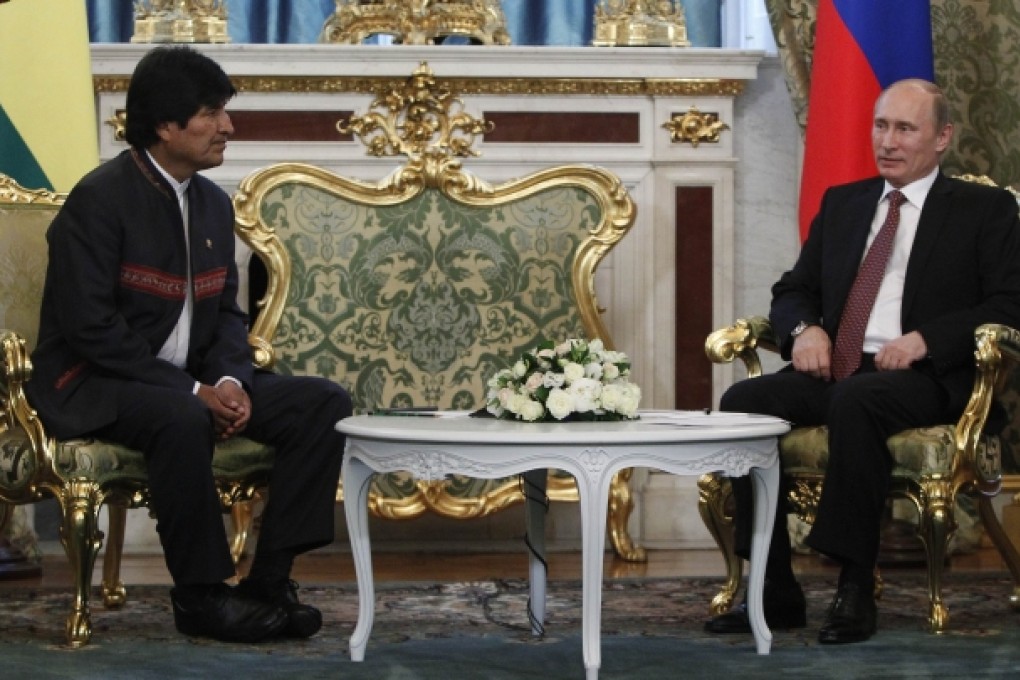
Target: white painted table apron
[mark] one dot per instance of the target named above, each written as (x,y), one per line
(678,442)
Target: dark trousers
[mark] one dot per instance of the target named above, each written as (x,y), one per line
(296,415)
(861,413)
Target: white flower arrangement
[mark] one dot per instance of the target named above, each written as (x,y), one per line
(576,380)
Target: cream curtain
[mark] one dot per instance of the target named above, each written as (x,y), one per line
(977,62)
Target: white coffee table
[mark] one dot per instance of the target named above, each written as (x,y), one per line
(679,442)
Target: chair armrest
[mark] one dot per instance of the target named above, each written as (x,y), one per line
(262,352)
(20,426)
(741,340)
(996,354)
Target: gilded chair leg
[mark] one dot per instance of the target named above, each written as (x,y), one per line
(114,593)
(936,525)
(714,490)
(81,538)
(1002,543)
(621,504)
(241,514)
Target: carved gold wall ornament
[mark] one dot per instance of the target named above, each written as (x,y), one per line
(420,119)
(695,127)
(416,22)
(640,23)
(118,122)
(180,21)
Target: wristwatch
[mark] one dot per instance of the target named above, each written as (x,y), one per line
(800,328)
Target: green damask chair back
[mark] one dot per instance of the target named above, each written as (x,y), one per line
(419,303)
(414,290)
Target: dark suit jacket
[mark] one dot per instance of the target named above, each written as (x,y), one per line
(115,287)
(963,271)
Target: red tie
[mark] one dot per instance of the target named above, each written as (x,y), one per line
(846,358)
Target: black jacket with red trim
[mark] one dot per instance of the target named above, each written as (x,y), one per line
(115,287)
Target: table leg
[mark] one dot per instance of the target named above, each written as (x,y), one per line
(356,481)
(766,491)
(535,510)
(594,501)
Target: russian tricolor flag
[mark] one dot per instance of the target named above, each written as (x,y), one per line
(861,47)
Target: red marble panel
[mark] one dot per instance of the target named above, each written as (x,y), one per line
(693,296)
(573,127)
(288,126)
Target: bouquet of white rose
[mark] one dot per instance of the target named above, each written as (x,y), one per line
(576,380)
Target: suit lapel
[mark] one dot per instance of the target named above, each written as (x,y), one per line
(859,213)
(929,227)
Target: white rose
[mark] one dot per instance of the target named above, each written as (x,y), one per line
(564,347)
(615,357)
(612,397)
(551,380)
(630,401)
(610,371)
(593,370)
(534,381)
(560,403)
(586,393)
(573,372)
(515,403)
(596,346)
(531,410)
(520,368)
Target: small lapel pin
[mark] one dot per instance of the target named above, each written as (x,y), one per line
(208,244)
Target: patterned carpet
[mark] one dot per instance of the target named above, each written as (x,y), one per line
(651,629)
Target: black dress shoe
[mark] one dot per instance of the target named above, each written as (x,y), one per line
(303,620)
(852,617)
(784,606)
(222,613)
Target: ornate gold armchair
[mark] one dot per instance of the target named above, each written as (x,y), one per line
(82,474)
(413,291)
(933,465)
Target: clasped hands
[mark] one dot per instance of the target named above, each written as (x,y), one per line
(812,352)
(230,406)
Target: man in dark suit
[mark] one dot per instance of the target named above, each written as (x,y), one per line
(141,342)
(877,317)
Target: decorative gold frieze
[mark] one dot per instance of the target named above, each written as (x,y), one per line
(640,23)
(547,87)
(695,127)
(416,22)
(180,21)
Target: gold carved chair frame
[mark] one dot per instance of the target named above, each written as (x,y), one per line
(329,241)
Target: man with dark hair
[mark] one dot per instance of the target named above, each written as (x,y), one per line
(877,317)
(141,342)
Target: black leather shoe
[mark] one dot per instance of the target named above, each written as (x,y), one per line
(785,607)
(852,617)
(222,613)
(303,620)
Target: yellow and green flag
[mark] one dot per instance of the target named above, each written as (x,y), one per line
(48,137)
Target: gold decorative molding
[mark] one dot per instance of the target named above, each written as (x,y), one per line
(695,127)
(12,192)
(416,22)
(545,87)
(640,23)
(180,21)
